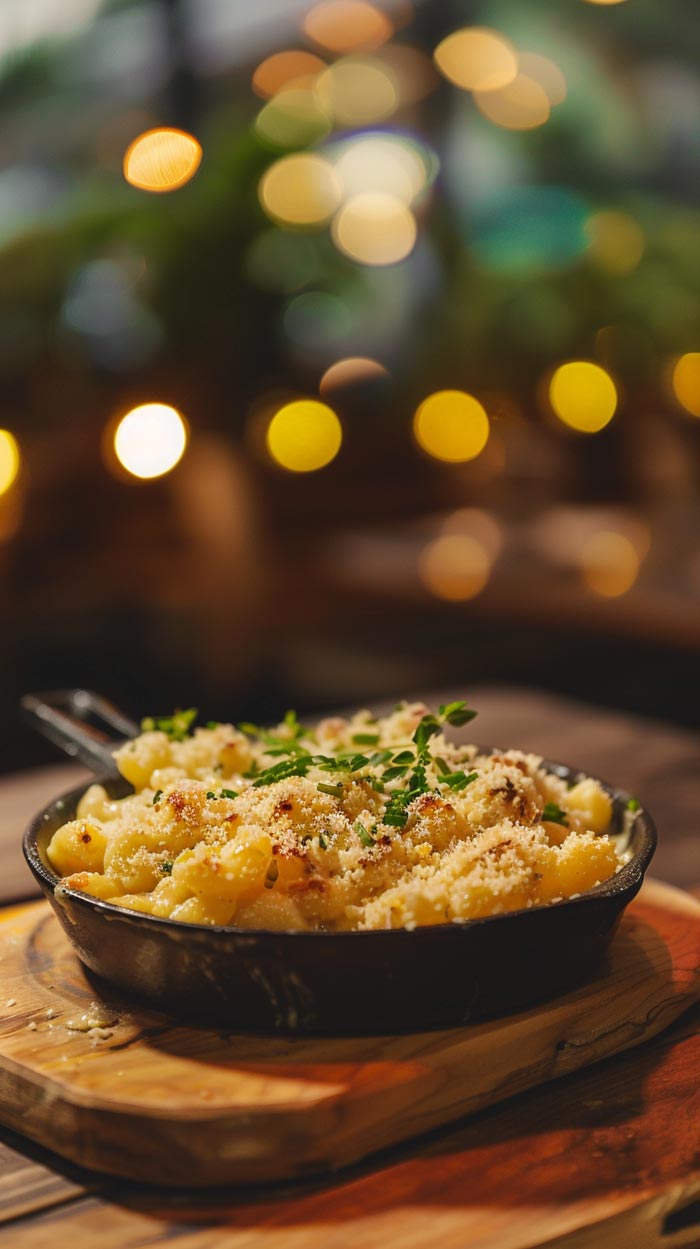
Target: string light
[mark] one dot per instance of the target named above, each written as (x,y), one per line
(351,371)
(455,566)
(286,69)
(609,563)
(382,162)
(304,435)
(686,382)
(348,25)
(150,440)
(162,160)
(583,396)
(357,91)
(375,229)
(303,189)
(10,460)
(522,104)
(477,59)
(451,425)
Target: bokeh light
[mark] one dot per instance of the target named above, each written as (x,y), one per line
(477,524)
(583,395)
(451,425)
(616,241)
(455,566)
(477,59)
(162,160)
(609,563)
(382,162)
(686,382)
(286,69)
(357,91)
(375,229)
(546,73)
(352,371)
(412,71)
(302,190)
(293,118)
(150,440)
(9,460)
(348,25)
(522,104)
(304,435)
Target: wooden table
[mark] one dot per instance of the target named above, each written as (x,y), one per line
(597,1159)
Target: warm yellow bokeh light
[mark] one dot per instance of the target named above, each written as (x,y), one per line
(583,395)
(451,425)
(162,160)
(300,190)
(455,566)
(294,117)
(476,524)
(304,435)
(9,460)
(357,91)
(546,73)
(616,241)
(150,440)
(521,105)
(381,163)
(477,59)
(375,229)
(286,69)
(351,371)
(348,25)
(609,563)
(686,382)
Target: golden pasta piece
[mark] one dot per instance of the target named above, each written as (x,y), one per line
(275,911)
(139,759)
(589,797)
(94,883)
(77,847)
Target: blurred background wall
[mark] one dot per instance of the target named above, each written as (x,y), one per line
(347,350)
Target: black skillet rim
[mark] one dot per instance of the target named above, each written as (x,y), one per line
(629,877)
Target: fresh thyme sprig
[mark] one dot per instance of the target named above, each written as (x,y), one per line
(177,726)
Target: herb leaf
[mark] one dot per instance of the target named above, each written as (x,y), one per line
(456,713)
(157,797)
(633,804)
(335,790)
(458,780)
(365,739)
(166,867)
(364,835)
(176,727)
(554,814)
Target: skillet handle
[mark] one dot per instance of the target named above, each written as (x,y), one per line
(72,720)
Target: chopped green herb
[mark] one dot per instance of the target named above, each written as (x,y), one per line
(322,841)
(633,804)
(210,794)
(425,730)
(365,739)
(176,726)
(213,724)
(157,797)
(167,867)
(406,756)
(440,764)
(229,793)
(553,814)
(458,780)
(296,766)
(335,790)
(456,713)
(391,774)
(377,785)
(365,837)
(379,757)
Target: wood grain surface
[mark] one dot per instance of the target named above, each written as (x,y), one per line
(172,1104)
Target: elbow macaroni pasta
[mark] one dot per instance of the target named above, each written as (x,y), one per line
(208,837)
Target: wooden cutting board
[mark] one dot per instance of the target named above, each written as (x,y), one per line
(148,1099)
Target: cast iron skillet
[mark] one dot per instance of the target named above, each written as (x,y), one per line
(317,982)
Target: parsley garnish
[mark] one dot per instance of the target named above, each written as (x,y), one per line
(335,790)
(176,727)
(457,713)
(458,780)
(365,739)
(167,867)
(157,797)
(633,804)
(554,814)
(223,793)
(213,724)
(364,835)
(322,841)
